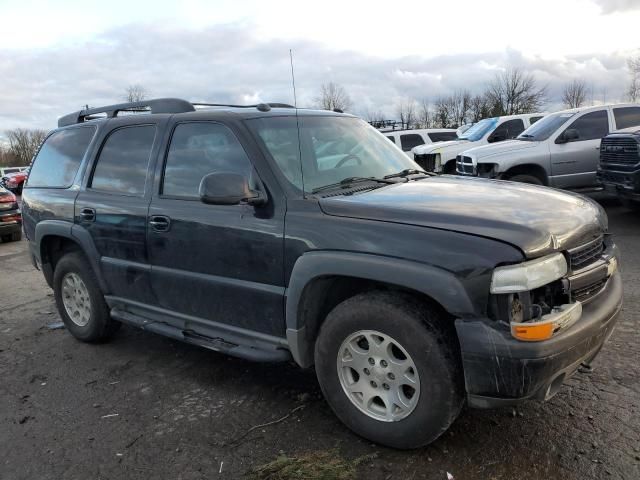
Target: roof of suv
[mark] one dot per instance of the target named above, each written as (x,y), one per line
(597,107)
(187,109)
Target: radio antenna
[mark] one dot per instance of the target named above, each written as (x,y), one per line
(295,104)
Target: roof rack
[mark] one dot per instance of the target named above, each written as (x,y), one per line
(158,105)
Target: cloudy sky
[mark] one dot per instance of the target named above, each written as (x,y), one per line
(58,56)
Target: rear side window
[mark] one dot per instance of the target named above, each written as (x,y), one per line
(410,140)
(533,120)
(123,161)
(627,117)
(198,149)
(509,129)
(442,136)
(591,126)
(59,158)
(392,139)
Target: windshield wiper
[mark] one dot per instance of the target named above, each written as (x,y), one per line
(347,182)
(408,171)
(526,135)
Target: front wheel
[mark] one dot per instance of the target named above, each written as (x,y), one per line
(388,370)
(525,178)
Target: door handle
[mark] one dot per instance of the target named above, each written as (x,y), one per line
(88,214)
(160,223)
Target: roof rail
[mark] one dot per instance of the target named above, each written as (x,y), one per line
(158,105)
(272,105)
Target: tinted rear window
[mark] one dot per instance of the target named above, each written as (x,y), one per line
(59,158)
(410,140)
(627,117)
(123,161)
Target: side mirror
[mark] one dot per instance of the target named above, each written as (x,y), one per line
(569,135)
(226,188)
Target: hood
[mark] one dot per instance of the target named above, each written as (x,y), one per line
(499,148)
(537,220)
(437,147)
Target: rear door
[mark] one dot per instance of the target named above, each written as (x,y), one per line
(574,164)
(113,204)
(214,264)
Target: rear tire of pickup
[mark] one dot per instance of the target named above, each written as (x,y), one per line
(389,370)
(79,300)
(524,178)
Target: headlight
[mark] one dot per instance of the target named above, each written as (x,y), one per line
(528,275)
(437,163)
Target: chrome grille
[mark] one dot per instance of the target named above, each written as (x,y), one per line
(619,150)
(585,255)
(427,161)
(464,165)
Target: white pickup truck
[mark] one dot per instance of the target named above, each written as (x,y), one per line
(441,157)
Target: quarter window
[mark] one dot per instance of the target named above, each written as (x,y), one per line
(123,161)
(591,126)
(410,140)
(627,117)
(391,139)
(198,149)
(59,158)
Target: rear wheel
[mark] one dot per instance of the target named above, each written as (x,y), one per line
(388,371)
(79,300)
(12,237)
(525,178)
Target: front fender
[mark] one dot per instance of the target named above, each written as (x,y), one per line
(440,285)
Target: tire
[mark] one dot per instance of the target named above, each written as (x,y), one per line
(96,325)
(12,237)
(524,178)
(449,168)
(413,327)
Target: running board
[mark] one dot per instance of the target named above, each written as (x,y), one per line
(216,344)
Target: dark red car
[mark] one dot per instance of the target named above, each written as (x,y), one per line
(10,217)
(15,181)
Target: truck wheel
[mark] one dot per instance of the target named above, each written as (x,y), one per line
(79,300)
(12,237)
(388,371)
(524,178)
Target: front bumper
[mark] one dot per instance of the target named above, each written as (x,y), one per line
(500,370)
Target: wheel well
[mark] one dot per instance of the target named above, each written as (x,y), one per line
(52,249)
(449,166)
(323,294)
(528,169)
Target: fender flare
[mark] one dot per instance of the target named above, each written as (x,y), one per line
(439,284)
(75,233)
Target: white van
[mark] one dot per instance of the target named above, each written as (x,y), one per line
(407,139)
(441,158)
(561,150)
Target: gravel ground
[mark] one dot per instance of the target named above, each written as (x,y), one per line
(142,406)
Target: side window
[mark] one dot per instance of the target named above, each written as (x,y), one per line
(442,136)
(507,130)
(590,126)
(627,117)
(410,140)
(123,161)
(198,149)
(533,120)
(392,139)
(59,158)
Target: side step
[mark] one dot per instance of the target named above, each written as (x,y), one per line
(246,352)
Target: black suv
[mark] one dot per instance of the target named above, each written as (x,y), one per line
(273,233)
(619,168)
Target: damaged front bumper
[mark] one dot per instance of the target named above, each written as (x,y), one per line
(500,370)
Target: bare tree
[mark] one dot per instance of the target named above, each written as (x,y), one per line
(407,113)
(479,108)
(633,92)
(513,92)
(459,106)
(443,117)
(8,159)
(424,118)
(24,143)
(135,93)
(574,94)
(333,96)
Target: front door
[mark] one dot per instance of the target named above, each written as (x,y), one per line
(574,163)
(214,264)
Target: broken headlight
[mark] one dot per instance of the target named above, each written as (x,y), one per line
(529,275)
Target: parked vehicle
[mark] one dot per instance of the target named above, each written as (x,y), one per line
(407,139)
(6,170)
(561,150)
(225,228)
(15,181)
(10,217)
(619,168)
(441,158)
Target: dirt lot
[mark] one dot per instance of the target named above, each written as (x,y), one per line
(143,406)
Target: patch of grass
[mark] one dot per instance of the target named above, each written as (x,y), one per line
(323,465)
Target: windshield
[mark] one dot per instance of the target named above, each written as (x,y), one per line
(479,130)
(544,128)
(331,148)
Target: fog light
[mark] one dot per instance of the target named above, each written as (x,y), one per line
(560,318)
